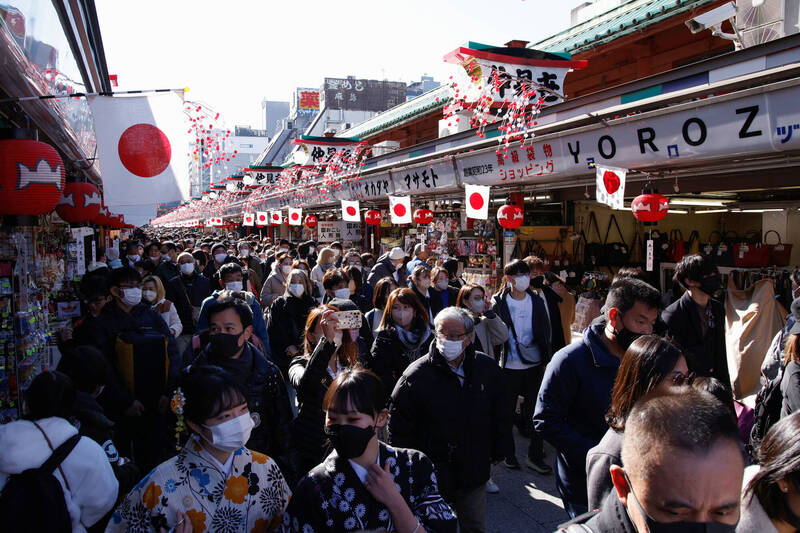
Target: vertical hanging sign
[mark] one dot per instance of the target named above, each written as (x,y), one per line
(649,255)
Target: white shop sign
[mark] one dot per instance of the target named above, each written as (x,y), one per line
(424,178)
(329,231)
(350,231)
(377,186)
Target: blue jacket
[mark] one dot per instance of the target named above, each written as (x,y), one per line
(571,407)
(198,287)
(411,265)
(259,326)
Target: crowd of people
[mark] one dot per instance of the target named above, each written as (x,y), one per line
(219,383)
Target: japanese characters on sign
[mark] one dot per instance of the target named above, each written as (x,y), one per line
(306,102)
(350,231)
(548,80)
(371,187)
(426,178)
(363,95)
(329,231)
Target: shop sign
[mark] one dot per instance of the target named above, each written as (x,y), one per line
(372,187)
(351,231)
(425,178)
(698,131)
(329,231)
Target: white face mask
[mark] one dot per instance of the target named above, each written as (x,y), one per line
(149,296)
(134,258)
(449,349)
(219,258)
(245,252)
(424,284)
(297,289)
(234,285)
(335,252)
(131,297)
(155,258)
(342,294)
(311,250)
(403,318)
(521,283)
(187,268)
(286,269)
(441,285)
(232,434)
(478,306)
(398,265)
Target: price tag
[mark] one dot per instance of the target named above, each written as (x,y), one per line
(649,255)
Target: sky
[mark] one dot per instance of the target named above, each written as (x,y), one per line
(235,53)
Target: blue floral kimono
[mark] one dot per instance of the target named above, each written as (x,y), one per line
(332,498)
(251,498)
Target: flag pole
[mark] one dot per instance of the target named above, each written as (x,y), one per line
(78,95)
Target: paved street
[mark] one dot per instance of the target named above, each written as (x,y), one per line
(527,502)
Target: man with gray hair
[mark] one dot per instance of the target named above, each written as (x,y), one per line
(450,405)
(420,258)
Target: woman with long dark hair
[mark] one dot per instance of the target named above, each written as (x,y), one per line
(651,363)
(383,288)
(289,314)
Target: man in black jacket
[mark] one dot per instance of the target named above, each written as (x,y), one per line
(451,406)
(696,321)
(551,300)
(231,325)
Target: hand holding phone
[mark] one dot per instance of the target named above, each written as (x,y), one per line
(348,319)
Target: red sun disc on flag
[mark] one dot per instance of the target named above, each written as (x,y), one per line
(295,216)
(276,216)
(351,210)
(611,181)
(400,210)
(476,200)
(144,150)
(262,218)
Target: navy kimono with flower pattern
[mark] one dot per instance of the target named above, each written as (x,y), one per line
(332,498)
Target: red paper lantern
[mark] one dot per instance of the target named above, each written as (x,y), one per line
(79,203)
(311,221)
(372,217)
(423,216)
(31,177)
(650,207)
(510,216)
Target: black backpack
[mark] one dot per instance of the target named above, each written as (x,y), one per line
(767,411)
(33,500)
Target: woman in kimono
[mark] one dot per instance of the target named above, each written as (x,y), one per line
(365,485)
(214,483)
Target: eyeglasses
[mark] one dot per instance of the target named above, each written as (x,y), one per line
(457,337)
(679,378)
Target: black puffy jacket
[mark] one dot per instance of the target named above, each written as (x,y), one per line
(287,327)
(389,357)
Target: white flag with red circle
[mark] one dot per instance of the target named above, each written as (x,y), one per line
(350,211)
(275,217)
(400,209)
(262,218)
(142,150)
(477,201)
(248,219)
(295,216)
(611,186)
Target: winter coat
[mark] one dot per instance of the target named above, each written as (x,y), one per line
(790,389)
(92,485)
(571,407)
(374,318)
(255,272)
(706,355)
(389,357)
(599,459)
(267,400)
(198,287)
(425,300)
(461,428)
(274,286)
(259,326)
(752,516)
(553,301)
(437,300)
(490,331)
(287,326)
(169,313)
(541,325)
(611,518)
(383,268)
(175,292)
(414,263)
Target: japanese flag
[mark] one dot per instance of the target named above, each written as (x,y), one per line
(216,221)
(275,217)
(262,218)
(350,211)
(248,219)
(477,201)
(209,222)
(295,216)
(611,186)
(400,209)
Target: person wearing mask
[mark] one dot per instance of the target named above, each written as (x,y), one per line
(420,259)
(773,360)
(307,252)
(275,285)
(353,259)
(389,264)
(317,290)
(524,356)
(255,272)
(289,314)
(551,301)
(215,482)
(790,382)
(651,364)
(697,321)
(336,283)
(219,257)
(368,469)
(140,250)
(368,260)
(325,262)
(114,261)
(231,328)
(576,389)
(198,287)
(132,255)
(327,351)
(490,330)
(356,287)
(96,296)
(442,294)
(153,253)
(420,283)
(153,295)
(771,488)
(451,265)
(450,405)
(403,337)
(201,258)
(338,253)
(81,466)
(566,307)
(231,279)
(383,288)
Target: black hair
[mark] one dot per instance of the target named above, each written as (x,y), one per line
(229,268)
(153,243)
(169,245)
(718,389)
(334,277)
(631,272)
(208,391)
(125,274)
(284,241)
(50,394)
(303,249)
(383,287)
(95,284)
(336,244)
(779,458)
(131,245)
(355,388)
(219,245)
(551,277)
(237,304)
(693,267)
(147,265)
(86,366)
(624,293)
(516,267)
(451,265)
(201,257)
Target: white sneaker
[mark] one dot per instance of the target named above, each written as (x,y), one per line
(491,487)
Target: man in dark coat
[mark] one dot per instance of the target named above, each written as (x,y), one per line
(389,264)
(450,405)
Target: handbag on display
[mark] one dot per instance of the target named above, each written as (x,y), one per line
(616,253)
(677,248)
(781,253)
(721,252)
(593,252)
(750,253)
(693,244)
(660,246)
(638,252)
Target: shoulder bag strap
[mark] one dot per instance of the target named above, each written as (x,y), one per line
(619,231)
(59,454)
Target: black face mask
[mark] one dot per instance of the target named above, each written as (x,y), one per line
(537,282)
(225,344)
(349,441)
(626,337)
(710,285)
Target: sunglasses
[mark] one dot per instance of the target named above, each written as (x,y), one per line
(679,378)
